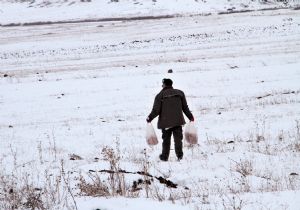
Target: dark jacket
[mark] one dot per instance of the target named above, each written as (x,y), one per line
(169,104)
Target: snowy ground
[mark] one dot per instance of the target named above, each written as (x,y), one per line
(77,88)
(33,11)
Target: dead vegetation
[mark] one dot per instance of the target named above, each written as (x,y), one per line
(62,188)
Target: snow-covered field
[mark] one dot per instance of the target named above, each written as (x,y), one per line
(33,11)
(74,98)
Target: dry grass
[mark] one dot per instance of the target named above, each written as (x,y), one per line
(19,192)
(60,189)
(95,187)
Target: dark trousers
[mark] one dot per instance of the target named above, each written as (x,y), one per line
(166,136)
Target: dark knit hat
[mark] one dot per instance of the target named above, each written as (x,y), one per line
(167,82)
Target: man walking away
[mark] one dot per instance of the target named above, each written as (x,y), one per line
(169,105)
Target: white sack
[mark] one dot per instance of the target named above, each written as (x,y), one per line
(150,135)
(190,133)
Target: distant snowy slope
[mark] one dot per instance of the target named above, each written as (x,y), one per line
(40,10)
